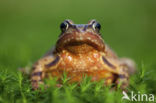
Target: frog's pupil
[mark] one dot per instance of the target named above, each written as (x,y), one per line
(98,26)
(63,26)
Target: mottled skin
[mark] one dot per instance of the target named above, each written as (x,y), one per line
(80,50)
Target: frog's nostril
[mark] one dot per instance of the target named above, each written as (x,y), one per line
(81,27)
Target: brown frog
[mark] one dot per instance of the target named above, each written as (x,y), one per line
(80,50)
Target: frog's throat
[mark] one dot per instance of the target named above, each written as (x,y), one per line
(80,48)
(80,42)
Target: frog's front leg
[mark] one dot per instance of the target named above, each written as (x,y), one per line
(40,68)
(37,74)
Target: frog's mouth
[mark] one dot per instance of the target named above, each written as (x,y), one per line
(80,43)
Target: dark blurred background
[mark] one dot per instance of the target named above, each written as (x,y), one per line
(29,28)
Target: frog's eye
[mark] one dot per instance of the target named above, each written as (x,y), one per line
(64,26)
(96,26)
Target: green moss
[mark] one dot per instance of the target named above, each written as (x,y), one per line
(16,87)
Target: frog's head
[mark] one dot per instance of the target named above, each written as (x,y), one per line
(80,38)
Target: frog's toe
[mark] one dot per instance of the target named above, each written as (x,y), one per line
(25,70)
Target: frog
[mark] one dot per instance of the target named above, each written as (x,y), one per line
(81,51)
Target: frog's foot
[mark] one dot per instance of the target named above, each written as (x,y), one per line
(35,84)
(59,85)
(36,79)
(129,65)
(25,70)
(122,81)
